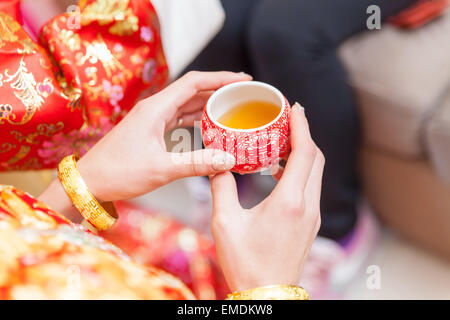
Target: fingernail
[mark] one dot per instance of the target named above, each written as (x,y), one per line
(297,107)
(223,161)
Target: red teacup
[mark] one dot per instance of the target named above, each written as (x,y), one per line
(254,149)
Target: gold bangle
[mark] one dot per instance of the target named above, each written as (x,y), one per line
(279,292)
(82,198)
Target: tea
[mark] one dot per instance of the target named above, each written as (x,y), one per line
(249,115)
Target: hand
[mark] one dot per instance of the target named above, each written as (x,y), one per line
(268,244)
(132,159)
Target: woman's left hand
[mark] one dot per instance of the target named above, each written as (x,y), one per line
(132,159)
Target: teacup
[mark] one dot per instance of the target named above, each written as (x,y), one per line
(255,149)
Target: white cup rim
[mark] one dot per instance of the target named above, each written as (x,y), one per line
(245,83)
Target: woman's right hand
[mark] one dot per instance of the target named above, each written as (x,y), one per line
(268,244)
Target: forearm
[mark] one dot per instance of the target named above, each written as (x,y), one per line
(56,197)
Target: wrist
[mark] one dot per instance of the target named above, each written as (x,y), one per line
(56,197)
(93,179)
(101,216)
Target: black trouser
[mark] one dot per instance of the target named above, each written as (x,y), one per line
(292,45)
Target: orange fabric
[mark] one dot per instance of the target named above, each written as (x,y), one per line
(420,13)
(44,256)
(61,96)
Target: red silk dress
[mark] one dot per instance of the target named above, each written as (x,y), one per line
(61,95)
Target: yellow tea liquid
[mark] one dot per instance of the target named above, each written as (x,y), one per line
(249,115)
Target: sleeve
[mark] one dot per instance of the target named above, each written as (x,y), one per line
(61,96)
(45,256)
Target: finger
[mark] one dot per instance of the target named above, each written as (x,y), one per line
(314,185)
(186,120)
(224,192)
(199,163)
(190,120)
(197,103)
(184,89)
(312,196)
(300,162)
(277,171)
(189,112)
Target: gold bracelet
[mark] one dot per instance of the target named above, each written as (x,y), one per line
(82,198)
(280,292)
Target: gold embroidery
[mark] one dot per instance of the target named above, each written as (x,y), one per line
(28,46)
(8,29)
(43,129)
(98,51)
(91,73)
(18,135)
(70,92)
(70,39)
(23,151)
(23,82)
(8,33)
(107,11)
(135,58)
(6,147)
(126,27)
(43,63)
(94,92)
(29,164)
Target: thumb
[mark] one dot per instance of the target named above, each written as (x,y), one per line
(201,163)
(224,192)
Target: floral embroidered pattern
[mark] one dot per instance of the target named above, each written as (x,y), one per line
(98,51)
(8,29)
(63,96)
(24,84)
(108,11)
(146,34)
(70,39)
(43,129)
(75,142)
(11,32)
(5,111)
(6,147)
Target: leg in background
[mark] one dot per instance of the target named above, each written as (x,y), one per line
(227,50)
(292,45)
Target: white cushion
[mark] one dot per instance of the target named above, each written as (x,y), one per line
(399,79)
